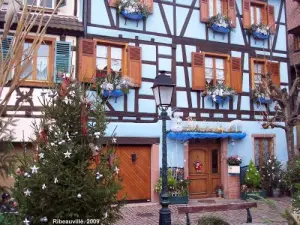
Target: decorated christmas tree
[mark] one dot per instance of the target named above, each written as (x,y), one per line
(252,178)
(74,174)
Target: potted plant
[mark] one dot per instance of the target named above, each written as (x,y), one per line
(271,176)
(219,191)
(178,190)
(252,180)
(220,24)
(234,163)
(260,31)
(132,9)
(219,93)
(114,85)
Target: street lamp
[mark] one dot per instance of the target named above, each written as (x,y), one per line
(163,88)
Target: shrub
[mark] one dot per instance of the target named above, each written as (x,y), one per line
(211,220)
(252,178)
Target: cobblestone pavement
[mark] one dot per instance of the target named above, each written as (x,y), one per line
(148,214)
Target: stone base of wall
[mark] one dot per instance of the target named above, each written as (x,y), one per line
(233,187)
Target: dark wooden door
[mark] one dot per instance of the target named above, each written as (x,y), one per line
(204,181)
(136,175)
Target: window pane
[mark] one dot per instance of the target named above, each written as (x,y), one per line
(42,62)
(28,72)
(116,53)
(46,3)
(32,2)
(220,74)
(258,68)
(101,64)
(101,51)
(252,14)
(214,161)
(219,6)
(116,65)
(220,63)
(208,62)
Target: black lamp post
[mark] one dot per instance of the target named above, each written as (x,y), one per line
(163,88)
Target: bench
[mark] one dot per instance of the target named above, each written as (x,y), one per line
(217,207)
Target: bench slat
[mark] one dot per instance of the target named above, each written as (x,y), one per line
(217,207)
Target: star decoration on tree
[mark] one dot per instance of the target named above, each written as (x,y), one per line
(67,154)
(34,169)
(26,222)
(41,155)
(44,186)
(117,170)
(27,192)
(55,180)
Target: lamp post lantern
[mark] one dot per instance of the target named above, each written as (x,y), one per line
(163,89)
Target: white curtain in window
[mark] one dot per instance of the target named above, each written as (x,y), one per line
(101,60)
(208,69)
(220,70)
(258,15)
(252,14)
(116,59)
(42,63)
(219,6)
(211,8)
(258,70)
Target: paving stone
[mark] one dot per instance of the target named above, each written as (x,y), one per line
(148,214)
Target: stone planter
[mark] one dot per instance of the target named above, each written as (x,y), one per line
(234,169)
(255,195)
(178,200)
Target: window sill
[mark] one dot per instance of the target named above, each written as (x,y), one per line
(38,9)
(47,84)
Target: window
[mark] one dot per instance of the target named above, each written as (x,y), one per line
(256,14)
(263,149)
(214,70)
(259,70)
(259,67)
(216,8)
(42,3)
(109,59)
(41,67)
(296,43)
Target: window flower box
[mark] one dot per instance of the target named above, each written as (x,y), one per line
(113,93)
(220,94)
(263,100)
(132,16)
(259,35)
(220,29)
(233,169)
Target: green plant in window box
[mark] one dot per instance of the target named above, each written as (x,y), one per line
(132,6)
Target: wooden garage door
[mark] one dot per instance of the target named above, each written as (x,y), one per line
(136,176)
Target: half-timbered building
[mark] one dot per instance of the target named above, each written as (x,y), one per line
(56,55)
(176,38)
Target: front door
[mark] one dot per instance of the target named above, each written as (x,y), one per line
(204,169)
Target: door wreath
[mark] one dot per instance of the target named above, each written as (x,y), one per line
(198,165)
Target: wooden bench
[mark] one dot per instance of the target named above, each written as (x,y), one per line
(217,207)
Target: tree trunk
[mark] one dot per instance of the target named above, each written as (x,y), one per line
(289,134)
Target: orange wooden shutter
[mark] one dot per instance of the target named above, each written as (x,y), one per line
(149,3)
(227,71)
(112,3)
(271,18)
(135,64)
(203,10)
(236,74)
(87,60)
(274,69)
(198,71)
(232,12)
(246,14)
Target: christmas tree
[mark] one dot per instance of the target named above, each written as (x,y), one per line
(252,178)
(74,174)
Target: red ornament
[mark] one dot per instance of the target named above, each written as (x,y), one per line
(198,165)
(64,89)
